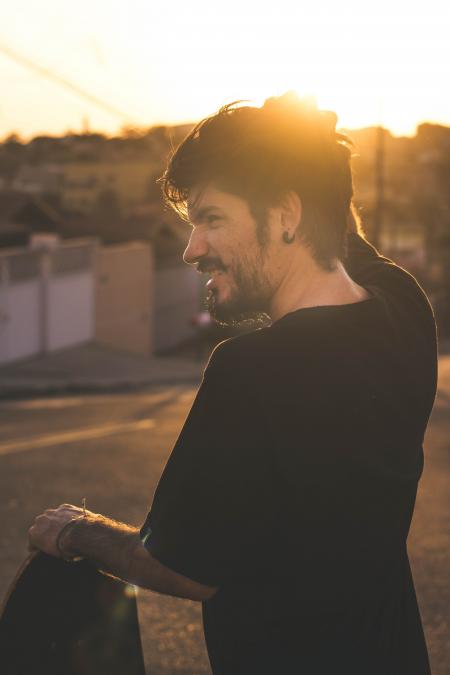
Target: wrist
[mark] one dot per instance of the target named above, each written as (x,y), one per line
(65,540)
(106,543)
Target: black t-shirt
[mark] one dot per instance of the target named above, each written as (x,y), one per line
(293,482)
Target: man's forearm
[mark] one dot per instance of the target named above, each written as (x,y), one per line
(106,542)
(116,548)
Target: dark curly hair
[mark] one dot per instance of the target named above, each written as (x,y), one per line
(259,154)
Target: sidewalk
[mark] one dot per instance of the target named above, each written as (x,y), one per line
(93,368)
(98,368)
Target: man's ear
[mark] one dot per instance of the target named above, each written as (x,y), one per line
(291,213)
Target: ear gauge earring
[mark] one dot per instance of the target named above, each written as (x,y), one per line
(287,239)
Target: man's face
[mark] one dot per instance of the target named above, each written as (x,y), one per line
(227,243)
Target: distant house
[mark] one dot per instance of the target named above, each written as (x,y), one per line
(38,179)
(21,214)
(84,184)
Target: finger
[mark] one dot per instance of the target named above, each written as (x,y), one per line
(72,510)
(45,515)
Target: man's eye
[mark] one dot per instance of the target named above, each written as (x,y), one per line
(212,219)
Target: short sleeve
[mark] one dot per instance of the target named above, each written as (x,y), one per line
(210,513)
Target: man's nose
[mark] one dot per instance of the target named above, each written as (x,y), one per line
(196,248)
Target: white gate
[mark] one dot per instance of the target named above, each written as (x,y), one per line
(47,298)
(20,306)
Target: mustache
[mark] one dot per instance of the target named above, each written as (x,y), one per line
(209,264)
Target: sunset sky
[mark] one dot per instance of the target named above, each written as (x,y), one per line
(176,62)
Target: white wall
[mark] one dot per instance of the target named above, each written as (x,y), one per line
(47,298)
(177,301)
(124,297)
(20,327)
(70,309)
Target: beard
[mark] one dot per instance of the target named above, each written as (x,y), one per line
(249,301)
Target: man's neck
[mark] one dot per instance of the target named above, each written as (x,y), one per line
(308,285)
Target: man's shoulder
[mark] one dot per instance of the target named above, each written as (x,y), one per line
(241,351)
(372,269)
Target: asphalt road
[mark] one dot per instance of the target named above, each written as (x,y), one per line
(111,450)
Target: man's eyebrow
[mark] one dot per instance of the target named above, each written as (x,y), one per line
(198,215)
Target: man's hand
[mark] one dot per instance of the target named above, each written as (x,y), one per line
(43,534)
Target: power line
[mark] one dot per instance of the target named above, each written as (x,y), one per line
(50,75)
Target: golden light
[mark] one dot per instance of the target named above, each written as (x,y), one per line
(174,62)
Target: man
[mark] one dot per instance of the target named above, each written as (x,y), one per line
(286,503)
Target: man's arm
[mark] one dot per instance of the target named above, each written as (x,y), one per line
(114,547)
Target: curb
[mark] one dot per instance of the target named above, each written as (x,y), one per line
(15,391)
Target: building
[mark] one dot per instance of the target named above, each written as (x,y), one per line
(86,184)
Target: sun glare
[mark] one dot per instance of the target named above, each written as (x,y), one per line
(167,63)
(382,66)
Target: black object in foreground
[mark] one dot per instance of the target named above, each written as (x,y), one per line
(65,618)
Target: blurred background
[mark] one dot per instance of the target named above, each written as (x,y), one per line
(96,96)
(99,318)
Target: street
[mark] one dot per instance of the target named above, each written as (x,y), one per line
(111,449)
